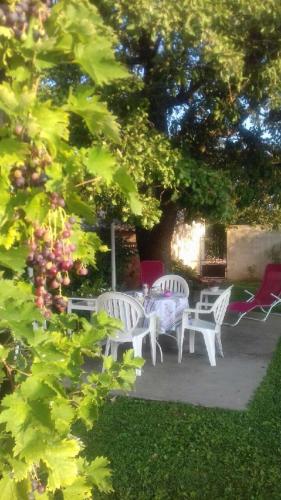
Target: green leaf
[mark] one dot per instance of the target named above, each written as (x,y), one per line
(98,61)
(8,100)
(10,490)
(4,351)
(20,469)
(33,388)
(95,113)
(78,490)
(6,32)
(100,162)
(49,124)
(79,207)
(20,73)
(14,258)
(12,152)
(128,187)
(107,362)
(14,405)
(88,411)
(62,413)
(37,207)
(56,178)
(60,460)
(99,474)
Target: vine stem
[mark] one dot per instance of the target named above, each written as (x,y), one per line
(9,371)
(93,181)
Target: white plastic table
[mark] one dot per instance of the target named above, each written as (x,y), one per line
(168,310)
(81,304)
(210,292)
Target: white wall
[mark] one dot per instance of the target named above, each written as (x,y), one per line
(187,244)
(248,251)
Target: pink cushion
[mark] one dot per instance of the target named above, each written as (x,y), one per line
(151,270)
(242,307)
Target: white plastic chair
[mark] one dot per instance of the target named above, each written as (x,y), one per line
(211,331)
(172,283)
(136,324)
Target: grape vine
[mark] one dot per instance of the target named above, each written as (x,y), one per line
(41,214)
(50,257)
(18,16)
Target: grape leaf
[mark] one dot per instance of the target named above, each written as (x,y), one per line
(100,162)
(8,100)
(4,351)
(79,207)
(95,113)
(14,405)
(6,32)
(78,490)
(88,411)
(14,258)
(49,124)
(10,490)
(20,469)
(97,60)
(99,474)
(12,152)
(128,187)
(59,459)
(62,413)
(36,209)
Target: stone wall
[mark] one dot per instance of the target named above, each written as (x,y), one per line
(249,249)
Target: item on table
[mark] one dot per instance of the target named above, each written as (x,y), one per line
(139,296)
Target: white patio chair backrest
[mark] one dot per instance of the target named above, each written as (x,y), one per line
(121,306)
(220,306)
(173,283)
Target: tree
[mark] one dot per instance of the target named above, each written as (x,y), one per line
(44,387)
(207,68)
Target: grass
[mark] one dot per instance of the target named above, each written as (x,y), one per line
(239,287)
(252,286)
(167,451)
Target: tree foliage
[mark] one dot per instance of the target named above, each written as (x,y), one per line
(210,73)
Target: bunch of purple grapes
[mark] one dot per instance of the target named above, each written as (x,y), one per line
(17,17)
(33,172)
(51,260)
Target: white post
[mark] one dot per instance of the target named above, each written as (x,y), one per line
(113,257)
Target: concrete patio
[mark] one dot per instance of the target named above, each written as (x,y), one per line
(248,349)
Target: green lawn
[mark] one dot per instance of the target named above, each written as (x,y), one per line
(239,287)
(176,451)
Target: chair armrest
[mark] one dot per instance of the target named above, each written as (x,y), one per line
(276,296)
(249,293)
(196,312)
(203,304)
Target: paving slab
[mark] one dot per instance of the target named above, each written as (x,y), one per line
(248,350)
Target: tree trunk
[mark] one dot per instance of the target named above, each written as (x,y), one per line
(155,244)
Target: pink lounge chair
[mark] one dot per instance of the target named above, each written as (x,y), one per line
(150,271)
(266,298)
